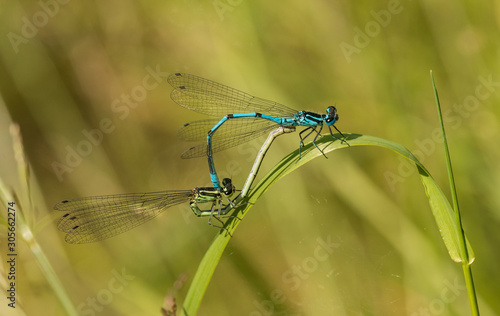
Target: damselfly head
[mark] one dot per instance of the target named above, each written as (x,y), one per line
(332,115)
(227,186)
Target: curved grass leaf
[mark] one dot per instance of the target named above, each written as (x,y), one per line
(441,208)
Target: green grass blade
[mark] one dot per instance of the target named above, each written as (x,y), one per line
(441,209)
(453,188)
(24,216)
(464,252)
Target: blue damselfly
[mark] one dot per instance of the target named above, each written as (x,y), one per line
(241,117)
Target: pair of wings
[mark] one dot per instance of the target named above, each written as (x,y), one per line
(214,99)
(96,218)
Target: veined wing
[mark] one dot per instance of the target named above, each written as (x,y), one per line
(231,133)
(215,99)
(197,130)
(96,218)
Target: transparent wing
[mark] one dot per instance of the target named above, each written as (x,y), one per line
(232,133)
(196,130)
(215,99)
(96,218)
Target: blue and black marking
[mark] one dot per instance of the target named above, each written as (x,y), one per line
(241,117)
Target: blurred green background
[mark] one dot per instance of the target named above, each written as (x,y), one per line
(71,68)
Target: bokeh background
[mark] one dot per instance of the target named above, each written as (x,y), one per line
(349,235)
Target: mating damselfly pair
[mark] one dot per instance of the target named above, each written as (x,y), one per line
(241,118)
